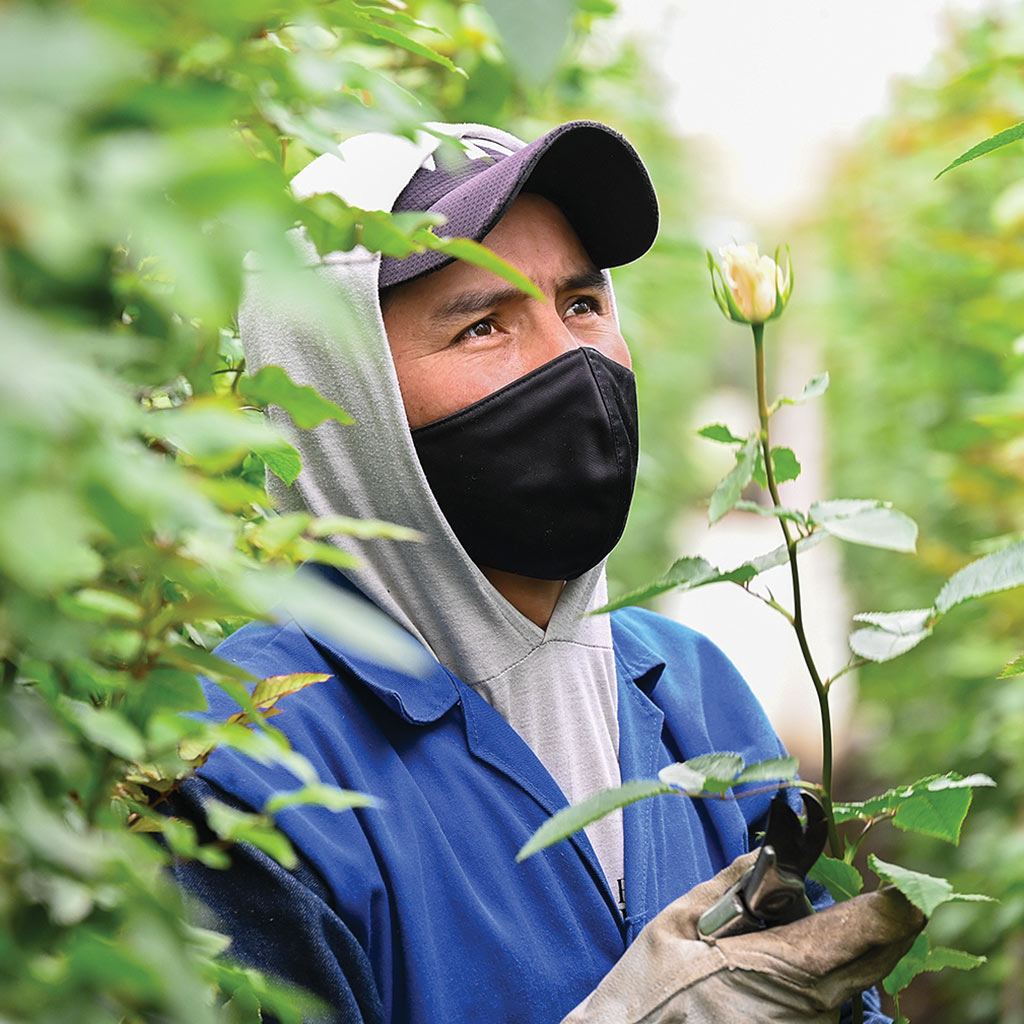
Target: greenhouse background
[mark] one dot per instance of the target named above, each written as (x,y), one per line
(147,148)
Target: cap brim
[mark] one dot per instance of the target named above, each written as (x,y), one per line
(588,170)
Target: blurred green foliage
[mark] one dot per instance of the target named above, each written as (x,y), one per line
(147,148)
(925,332)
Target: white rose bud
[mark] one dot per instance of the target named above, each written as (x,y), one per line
(750,288)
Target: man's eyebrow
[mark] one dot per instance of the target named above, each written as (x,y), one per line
(587,281)
(471,303)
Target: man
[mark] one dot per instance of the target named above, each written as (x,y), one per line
(503,427)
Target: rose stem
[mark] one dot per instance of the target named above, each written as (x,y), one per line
(798,620)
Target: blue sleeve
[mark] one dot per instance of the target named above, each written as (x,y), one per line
(279,921)
(872,1010)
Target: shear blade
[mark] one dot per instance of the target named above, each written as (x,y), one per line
(797,844)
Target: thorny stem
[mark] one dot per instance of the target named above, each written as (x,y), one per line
(798,621)
(770,602)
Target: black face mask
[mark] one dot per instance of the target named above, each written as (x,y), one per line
(537,478)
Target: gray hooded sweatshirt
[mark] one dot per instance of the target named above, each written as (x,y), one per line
(557,686)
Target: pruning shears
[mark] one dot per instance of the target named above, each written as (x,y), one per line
(772,891)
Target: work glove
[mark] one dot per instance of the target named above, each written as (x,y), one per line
(800,972)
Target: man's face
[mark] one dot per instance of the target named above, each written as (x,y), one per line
(461,333)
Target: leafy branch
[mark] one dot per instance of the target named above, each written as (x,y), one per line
(936,805)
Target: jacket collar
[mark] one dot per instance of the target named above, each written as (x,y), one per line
(638,659)
(422,699)
(419,699)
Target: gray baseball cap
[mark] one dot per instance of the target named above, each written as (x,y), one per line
(588,170)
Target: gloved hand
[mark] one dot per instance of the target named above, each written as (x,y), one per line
(800,972)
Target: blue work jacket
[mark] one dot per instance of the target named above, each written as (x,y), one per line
(415,911)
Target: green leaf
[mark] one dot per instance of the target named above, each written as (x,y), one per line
(684,574)
(912,964)
(268,748)
(720,432)
(720,764)
(275,533)
(284,462)
(1014,668)
(473,252)
(878,645)
(181,839)
(814,388)
(64,57)
(926,892)
(935,806)
(387,9)
(769,770)
(305,550)
(180,834)
(44,540)
(777,512)
(533,34)
(258,830)
(872,523)
(169,690)
(318,795)
(272,385)
(706,773)
(728,492)
(196,749)
(269,691)
(842,880)
(358,19)
(683,777)
(343,617)
(214,435)
(330,223)
(784,466)
(923,957)
(890,634)
(938,813)
(109,729)
(780,555)
(692,572)
(204,663)
(106,604)
(211,944)
(571,819)
(993,142)
(393,234)
(363,529)
(782,295)
(898,623)
(1001,570)
(718,772)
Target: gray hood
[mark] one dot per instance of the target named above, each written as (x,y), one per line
(370,469)
(556,687)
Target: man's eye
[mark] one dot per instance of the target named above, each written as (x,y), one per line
(582,305)
(481,329)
